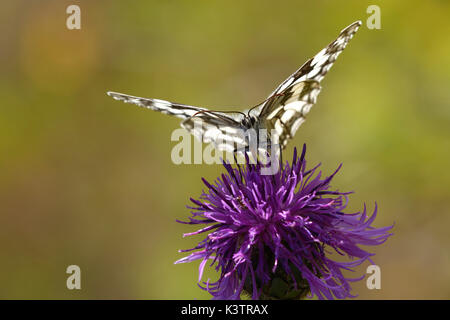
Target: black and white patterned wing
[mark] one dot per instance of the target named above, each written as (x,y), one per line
(223,130)
(175,109)
(286,108)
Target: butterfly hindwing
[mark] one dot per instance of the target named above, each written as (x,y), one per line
(290,109)
(224,131)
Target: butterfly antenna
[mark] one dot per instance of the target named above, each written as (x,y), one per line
(216,111)
(267,99)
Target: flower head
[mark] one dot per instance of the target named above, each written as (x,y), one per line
(271,236)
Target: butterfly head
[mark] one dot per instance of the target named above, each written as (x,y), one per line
(249,122)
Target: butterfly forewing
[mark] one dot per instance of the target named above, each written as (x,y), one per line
(286,108)
(175,109)
(223,130)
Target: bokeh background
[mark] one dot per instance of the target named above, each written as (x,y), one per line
(87,180)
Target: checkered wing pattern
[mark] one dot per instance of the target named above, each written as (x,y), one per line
(223,130)
(286,108)
(284,111)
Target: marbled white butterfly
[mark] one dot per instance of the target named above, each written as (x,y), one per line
(281,114)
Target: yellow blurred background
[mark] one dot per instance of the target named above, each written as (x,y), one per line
(86,180)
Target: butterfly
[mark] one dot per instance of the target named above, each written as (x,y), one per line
(281,114)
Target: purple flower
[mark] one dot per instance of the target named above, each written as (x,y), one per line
(271,236)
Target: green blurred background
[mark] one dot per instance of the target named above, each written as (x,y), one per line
(87,180)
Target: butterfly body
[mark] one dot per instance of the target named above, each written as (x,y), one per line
(279,116)
(249,122)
